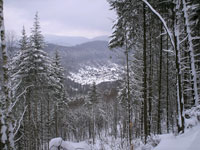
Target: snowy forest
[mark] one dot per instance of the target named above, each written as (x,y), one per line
(151,100)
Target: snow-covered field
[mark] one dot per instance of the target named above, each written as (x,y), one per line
(97,73)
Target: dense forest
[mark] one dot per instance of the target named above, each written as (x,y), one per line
(159,87)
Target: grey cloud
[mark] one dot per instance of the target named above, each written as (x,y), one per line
(87,17)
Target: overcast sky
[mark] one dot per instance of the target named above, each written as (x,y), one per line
(87,18)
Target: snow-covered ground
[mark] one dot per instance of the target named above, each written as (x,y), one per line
(58,143)
(190,140)
(97,73)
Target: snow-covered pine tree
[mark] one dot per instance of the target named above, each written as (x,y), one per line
(136,84)
(36,38)
(35,75)
(92,103)
(18,93)
(11,42)
(43,81)
(125,36)
(60,101)
(23,80)
(16,60)
(23,42)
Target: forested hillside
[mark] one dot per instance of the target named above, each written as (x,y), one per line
(139,91)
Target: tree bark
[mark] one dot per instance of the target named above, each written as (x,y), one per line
(160,85)
(145,75)
(191,51)
(180,101)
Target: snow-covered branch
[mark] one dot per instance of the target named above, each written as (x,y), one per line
(17,99)
(20,120)
(169,51)
(162,20)
(196,38)
(184,39)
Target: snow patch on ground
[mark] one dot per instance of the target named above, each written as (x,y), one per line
(97,73)
(59,144)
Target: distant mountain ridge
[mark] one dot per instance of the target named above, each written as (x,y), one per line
(72,41)
(88,62)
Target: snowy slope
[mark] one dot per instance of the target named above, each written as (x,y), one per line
(190,140)
(87,74)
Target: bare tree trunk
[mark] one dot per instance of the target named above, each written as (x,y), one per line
(167,96)
(42,121)
(180,101)
(115,118)
(93,125)
(191,51)
(6,117)
(145,75)
(150,81)
(48,119)
(56,119)
(160,85)
(129,100)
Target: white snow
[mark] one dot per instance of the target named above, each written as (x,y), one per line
(192,117)
(11,135)
(66,145)
(75,146)
(101,73)
(190,140)
(55,143)
(3,132)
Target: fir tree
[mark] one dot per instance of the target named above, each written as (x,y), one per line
(36,38)
(35,75)
(60,93)
(23,42)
